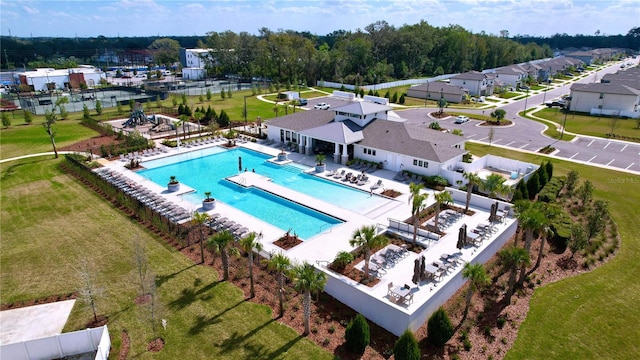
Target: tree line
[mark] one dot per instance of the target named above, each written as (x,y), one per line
(380,52)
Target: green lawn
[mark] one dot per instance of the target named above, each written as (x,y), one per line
(509,95)
(594,315)
(50,222)
(551,131)
(21,139)
(591,125)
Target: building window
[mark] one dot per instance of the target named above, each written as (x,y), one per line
(425,164)
(415,162)
(281,135)
(601,96)
(373,152)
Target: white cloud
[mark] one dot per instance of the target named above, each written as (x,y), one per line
(30,10)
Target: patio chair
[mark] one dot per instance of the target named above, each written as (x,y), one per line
(408,299)
(377,185)
(339,175)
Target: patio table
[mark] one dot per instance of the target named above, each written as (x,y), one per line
(400,293)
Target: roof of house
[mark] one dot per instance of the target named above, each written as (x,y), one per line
(470,75)
(363,108)
(344,132)
(510,70)
(605,88)
(303,120)
(436,87)
(411,140)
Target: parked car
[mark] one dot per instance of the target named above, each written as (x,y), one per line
(461,119)
(558,103)
(302,102)
(322,106)
(524,87)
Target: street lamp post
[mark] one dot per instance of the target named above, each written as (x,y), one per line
(547,89)
(564,123)
(426,95)
(245,113)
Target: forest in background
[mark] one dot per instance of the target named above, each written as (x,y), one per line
(378,53)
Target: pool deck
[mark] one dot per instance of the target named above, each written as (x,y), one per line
(322,248)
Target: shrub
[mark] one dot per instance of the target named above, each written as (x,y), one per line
(332,329)
(501,321)
(550,191)
(439,328)
(561,227)
(406,347)
(357,335)
(342,259)
(466,343)
(435,126)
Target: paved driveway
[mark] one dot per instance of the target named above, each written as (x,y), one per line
(34,322)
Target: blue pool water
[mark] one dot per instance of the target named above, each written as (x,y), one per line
(205,170)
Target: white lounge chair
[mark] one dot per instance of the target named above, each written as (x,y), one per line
(377,185)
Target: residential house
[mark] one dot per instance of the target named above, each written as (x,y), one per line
(511,76)
(437,90)
(476,83)
(614,99)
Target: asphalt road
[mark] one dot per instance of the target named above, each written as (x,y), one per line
(525,134)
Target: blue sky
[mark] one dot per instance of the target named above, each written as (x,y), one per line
(90,18)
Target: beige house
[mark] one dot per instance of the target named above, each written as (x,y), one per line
(436,90)
(476,83)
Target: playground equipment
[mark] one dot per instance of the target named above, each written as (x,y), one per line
(138,118)
(163,124)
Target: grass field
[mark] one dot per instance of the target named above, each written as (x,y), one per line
(50,222)
(594,315)
(21,139)
(591,125)
(551,131)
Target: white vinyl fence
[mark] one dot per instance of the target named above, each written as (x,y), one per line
(58,346)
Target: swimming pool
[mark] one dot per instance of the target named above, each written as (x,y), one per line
(206,170)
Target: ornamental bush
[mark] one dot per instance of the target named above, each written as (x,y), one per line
(439,328)
(357,334)
(406,347)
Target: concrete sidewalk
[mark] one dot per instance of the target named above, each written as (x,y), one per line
(34,322)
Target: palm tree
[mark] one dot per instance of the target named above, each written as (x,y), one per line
(443,197)
(220,243)
(472,180)
(551,211)
(477,276)
(199,219)
(281,264)
(367,239)
(417,201)
(183,121)
(494,185)
(532,220)
(307,280)
(512,258)
(249,243)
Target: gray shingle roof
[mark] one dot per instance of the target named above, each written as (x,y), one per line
(344,132)
(303,120)
(411,140)
(470,75)
(362,108)
(605,88)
